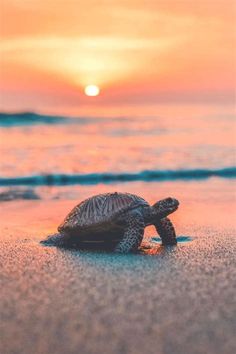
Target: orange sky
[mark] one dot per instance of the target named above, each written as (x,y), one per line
(136,51)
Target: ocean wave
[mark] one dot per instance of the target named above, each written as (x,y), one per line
(95,178)
(29,118)
(14,194)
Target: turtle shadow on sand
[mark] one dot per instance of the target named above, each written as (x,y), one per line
(147,247)
(154,245)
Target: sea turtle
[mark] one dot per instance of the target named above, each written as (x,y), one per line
(116,220)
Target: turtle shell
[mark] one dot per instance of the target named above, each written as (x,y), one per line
(99,210)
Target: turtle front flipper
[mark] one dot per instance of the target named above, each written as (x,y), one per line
(166,231)
(60,239)
(133,233)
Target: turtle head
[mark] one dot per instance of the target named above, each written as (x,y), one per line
(165,207)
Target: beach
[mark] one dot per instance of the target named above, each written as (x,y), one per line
(177,300)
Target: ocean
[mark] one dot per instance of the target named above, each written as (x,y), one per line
(60,152)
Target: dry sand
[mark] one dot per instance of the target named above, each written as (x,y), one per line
(181,300)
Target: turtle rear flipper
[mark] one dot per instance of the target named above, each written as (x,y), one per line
(59,239)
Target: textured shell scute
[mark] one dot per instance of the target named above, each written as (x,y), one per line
(100,208)
(71,219)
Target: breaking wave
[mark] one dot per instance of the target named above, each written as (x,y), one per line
(29,118)
(95,178)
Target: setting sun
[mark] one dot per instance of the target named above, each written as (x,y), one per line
(92,90)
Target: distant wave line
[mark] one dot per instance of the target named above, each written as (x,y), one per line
(95,178)
(8,120)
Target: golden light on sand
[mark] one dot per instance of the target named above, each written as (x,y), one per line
(92,90)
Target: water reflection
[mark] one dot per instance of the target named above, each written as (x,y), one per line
(180,239)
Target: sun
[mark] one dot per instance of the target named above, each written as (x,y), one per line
(92,90)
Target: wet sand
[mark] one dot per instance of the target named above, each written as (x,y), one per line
(180,300)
